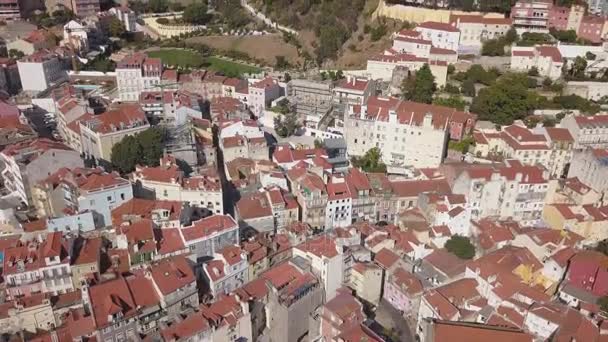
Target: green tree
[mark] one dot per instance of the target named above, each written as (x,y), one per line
(493,47)
(126,154)
(196,13)
(378,32)
(578,67)
(151,141)
(533,71)
(590,56)
(370,162)
(176,6)
(15,54)
(116,28)
(568,36)
(511,36)
(287,124)
(460,246)
(453,101)
(319,143)
(420,87)
(463,145)
(158,6)
(506,100)
(145,148)
(468,88)
(61,17)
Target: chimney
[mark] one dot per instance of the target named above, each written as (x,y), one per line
(392,116)
(428,120)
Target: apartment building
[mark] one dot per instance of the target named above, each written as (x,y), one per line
(339,202)
(99,133)
(261,93)
(227,271)
(41,265)
(546,59)
(207,236)
(597,7)
(590,166)
(85,8)
(338,315)
(82,190)
(294,294)
(407,133)
(475,29)
(587,131)
(352,91)
(86,261)
(167,182)
(441,35)
(227,109)
(383,67)
(126,16)
(29,162)
(511,190)
(137,73)
(326,260)
(531,16)
(312,99)
(588,220)
(37,40)
(268,210)
(240,146)
(366,281)
(550,147)
(165,214)
(171,107)
(309,189)
(175,284)
(10,10)
(230,319)
(40,71)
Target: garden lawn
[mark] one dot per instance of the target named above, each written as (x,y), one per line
(192,59)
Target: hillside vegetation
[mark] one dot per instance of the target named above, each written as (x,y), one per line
(332,22)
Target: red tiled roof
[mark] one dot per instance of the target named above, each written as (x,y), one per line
(254,205)
(208,226)
(559,134)
(442,307)
(169,240)
(550,51)
(322,246)
(143,208)
(120,118)
(103,181)
(386,258)
(478,19)
(414,188)
(109,299)
(434,25)
(231,254)
(445,262)
(406,281)
(142,289)
(354,83)
(474,332)
(191,326)
(172,274)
